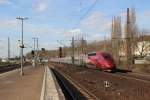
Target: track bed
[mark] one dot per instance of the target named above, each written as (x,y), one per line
(119,88)
(4,69)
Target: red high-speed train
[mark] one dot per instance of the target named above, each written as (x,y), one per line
(102,60)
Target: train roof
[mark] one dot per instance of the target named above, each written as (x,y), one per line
(99,52)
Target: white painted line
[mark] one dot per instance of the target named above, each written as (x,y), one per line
(49,91)
(43,87)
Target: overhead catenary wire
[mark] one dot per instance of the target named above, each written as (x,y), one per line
(78,23)
(85,14)
(25,43)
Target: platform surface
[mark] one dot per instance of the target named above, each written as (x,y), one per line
(26,87)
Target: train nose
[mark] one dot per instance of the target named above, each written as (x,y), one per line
(109,64)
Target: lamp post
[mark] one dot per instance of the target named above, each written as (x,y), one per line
(22,45)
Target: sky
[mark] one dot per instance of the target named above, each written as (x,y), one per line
(59,20)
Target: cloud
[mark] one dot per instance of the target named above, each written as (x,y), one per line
(4,1)
(9,23)
(12,28)
(50,46)
(73,32)
(96,23)
(43,29)
(96,26)
(41,6)
(13,24)
(92,20)
(146,13)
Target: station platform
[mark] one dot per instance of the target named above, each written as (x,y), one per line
(50,88)
(36,84)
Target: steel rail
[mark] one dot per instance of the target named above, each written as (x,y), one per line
(88,95)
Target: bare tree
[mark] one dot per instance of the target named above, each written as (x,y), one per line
(116,35)
(131,31)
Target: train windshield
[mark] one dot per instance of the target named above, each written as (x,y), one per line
(107,56)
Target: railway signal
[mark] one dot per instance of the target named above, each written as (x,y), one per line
(73,51)
(32,53)
(43,49)
(60,52)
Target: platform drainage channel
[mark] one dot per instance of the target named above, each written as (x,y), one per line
(70,91)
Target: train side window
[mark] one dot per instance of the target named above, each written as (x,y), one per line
(92,54)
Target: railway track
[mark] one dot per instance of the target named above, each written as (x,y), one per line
(7,68)
(128,75)
(119,85)
(134,77)
(71,89)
